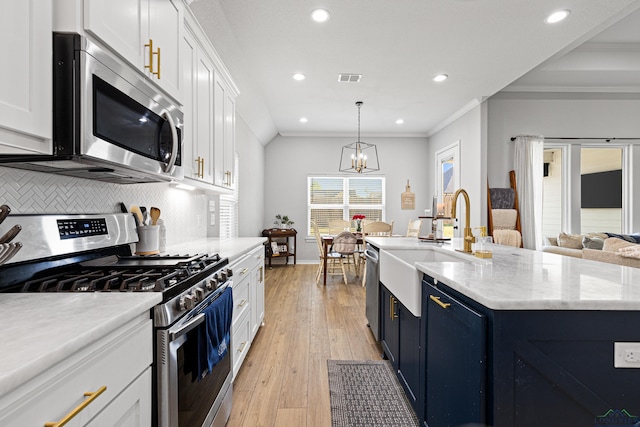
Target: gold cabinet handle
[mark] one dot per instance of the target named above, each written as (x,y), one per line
(392,308)
(150,46)
(440,303)
(242,346)
(261,273)
(227,179)
(200,162)
(158,53)
(242,303)
(92,395)
(244,271)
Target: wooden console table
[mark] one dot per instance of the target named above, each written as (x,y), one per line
(279,244)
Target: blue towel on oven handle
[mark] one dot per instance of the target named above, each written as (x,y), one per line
(217,320)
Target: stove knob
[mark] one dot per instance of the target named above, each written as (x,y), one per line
(187,302)
(223,275)
(212,284)
(199,293)
(229,272)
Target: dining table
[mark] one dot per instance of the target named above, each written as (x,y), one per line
(327,241)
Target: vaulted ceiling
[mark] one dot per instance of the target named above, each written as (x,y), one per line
(399,46)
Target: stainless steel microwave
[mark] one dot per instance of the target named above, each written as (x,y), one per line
(109,122)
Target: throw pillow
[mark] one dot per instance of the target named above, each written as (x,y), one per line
(593,242)
(633,238)
(612,244)
(572,241)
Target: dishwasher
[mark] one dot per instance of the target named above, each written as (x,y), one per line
(372,288)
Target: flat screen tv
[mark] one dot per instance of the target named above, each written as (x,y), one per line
(602,189)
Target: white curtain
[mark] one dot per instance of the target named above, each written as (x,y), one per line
(528,164)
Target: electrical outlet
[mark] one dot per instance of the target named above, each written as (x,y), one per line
(212,220)
(626,355)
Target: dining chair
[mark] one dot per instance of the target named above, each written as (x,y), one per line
(334,260)
(346,244)
(339,225)
(413,230)
(378,228)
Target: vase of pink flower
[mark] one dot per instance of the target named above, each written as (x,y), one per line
(358,219)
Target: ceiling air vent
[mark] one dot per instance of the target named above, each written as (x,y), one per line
(349,78)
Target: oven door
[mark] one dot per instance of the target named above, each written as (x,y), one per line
(183,401)
(124,119)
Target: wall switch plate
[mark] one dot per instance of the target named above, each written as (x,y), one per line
(626,355)
(212,220)
(212,205)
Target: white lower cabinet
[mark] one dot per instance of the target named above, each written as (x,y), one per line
(120,363)
(248,303)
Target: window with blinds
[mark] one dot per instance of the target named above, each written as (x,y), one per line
(331,198)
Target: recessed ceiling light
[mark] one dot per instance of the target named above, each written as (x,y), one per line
(303,120)
(557,16)
(440,78)
(320,15)
(299,76)
(399,121)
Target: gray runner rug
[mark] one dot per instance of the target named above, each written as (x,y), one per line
(367,393)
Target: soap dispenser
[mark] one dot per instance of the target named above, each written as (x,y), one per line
(483,244)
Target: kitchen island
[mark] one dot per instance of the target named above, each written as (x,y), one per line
(526,338)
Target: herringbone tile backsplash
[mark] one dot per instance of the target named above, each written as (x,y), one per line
(28,192)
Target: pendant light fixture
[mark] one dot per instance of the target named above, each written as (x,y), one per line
(359,157)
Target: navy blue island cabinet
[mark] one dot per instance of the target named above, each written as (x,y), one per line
(400,338)
(525,368)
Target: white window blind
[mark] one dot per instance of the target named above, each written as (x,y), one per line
(229,208)
(331,198)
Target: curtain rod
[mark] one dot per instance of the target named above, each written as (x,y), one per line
(513,138)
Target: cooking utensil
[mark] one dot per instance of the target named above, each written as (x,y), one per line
(9,235)
(144,215)
(4,211)
(155,214)
(137,214)
(123,208)
(10,249)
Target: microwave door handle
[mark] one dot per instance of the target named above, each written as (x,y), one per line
(174,146)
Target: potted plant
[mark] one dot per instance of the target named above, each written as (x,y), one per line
(283,221)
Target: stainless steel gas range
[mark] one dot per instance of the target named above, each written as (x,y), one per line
(92,253)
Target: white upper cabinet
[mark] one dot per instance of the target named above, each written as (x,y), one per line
(147,33)
(25,77)
(197,95)
(225,120)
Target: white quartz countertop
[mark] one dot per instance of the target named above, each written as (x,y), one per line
(521,279)
(229,248)
(43,329)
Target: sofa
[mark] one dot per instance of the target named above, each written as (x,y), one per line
(604,247)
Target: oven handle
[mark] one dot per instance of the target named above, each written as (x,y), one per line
(189,326)
(198,319)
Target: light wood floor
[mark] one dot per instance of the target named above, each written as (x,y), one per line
(283,381)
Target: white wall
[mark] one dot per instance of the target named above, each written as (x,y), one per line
(468,129)
(290,160)
(561,115)
(251,180)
